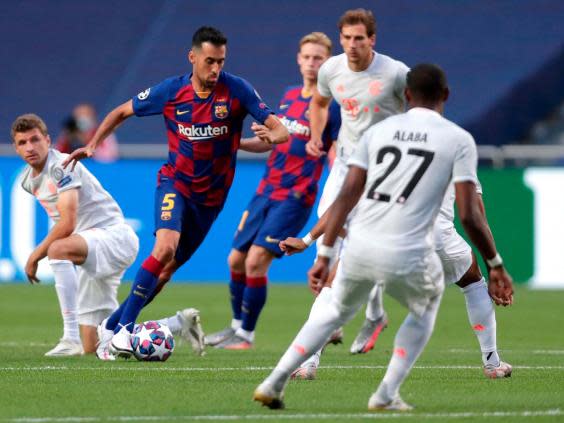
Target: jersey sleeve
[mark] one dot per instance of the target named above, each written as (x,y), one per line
(152,101)
(401,81)
(360,156)
(66,179)
(251,101)
(323,81)
(331,131)
(465,161)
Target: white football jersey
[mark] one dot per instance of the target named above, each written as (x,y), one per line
(96,207)
(445,220)
(365,97)
(410,160)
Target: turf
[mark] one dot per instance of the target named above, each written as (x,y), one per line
(447,383)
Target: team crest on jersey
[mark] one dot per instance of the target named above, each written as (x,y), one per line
(166,215)
(220,111)
(144,94)
(58,174)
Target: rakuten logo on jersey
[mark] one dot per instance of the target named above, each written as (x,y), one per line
(295,127)
(202,132)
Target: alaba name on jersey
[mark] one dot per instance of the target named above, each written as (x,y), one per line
(203,133)
(410,160)
(96,207)
(366,97)
(290,171)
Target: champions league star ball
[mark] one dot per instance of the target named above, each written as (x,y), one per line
(152,341)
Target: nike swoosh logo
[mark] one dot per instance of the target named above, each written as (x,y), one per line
(182,112)
(271,240)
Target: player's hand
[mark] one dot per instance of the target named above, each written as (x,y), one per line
(31,269)
(314,148)
(318,274)
(78,154)
(500,286)
(262,132)
(292,245)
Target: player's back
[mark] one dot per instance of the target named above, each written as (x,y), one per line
(410,161)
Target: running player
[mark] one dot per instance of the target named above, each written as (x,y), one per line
(203,113)
(398,176)
(89,232)
(369,87)
(283,201)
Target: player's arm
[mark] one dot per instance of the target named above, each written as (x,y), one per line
(349,195)
(254,145)
(318,117)
(108,125)
(67,206)
(472,216)
(272,132)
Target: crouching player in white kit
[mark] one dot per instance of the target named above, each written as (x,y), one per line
(89,232)
(398,175)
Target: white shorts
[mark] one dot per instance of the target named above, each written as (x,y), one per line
(414,289)
(111,251)
(455,255)
(333,185)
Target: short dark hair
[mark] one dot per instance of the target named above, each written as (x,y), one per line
(427,82)
(208,34)
(28,122)
(359,16)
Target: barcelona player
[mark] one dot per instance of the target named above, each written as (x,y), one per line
(203,114)
(283,201)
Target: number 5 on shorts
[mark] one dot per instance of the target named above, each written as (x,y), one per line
(168,202)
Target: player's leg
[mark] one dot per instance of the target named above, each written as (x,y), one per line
(63,254)
(342,302)
(420,291)
(481,315)
(249,225)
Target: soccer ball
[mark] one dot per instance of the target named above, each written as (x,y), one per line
(152,341)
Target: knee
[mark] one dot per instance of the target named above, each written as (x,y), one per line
(236,261)
(58,250)
(254,266)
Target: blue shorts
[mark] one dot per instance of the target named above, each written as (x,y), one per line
(266,222)
(176,212)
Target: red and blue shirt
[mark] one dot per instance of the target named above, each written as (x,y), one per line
(290,171)
(203,133)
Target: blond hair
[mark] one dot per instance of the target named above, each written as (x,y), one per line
(28,122)
(359,16)
(317,38)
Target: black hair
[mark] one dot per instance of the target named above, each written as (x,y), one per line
(427,82)
(210,35)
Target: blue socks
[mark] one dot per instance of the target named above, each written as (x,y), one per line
(254,299)
(236,289)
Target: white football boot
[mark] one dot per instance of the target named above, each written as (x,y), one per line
(397,404)
(368,334)
(104,339)
(217,338)
(497,372)
(120,345)
(66,348)
(192,329)
(268,396)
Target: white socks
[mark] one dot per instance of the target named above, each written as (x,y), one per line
(66,286)
(322,300)
(375,306)
(173,322)
(481,315)
(409,342)
(236,323)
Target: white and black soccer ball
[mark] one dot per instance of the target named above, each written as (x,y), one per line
(152,341)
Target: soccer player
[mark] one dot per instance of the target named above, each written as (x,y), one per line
(203,113)
(398,175)
(89,232)
(369,87)
(283,200)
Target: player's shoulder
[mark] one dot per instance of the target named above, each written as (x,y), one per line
(25,178)
(168,87)
(334,63)
(232,80)
(457,131)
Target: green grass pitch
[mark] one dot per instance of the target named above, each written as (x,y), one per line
(447,383)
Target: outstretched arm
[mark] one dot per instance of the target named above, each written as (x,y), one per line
(254,145)
(272,132)
(108,125)
(318,117)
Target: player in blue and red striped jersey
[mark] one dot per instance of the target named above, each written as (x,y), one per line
(283,200)
(203,114)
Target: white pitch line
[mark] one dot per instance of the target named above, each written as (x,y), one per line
(283,416)
(150,367)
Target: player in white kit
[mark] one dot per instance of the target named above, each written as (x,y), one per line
(397,180)
(89,232)
(369,87)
